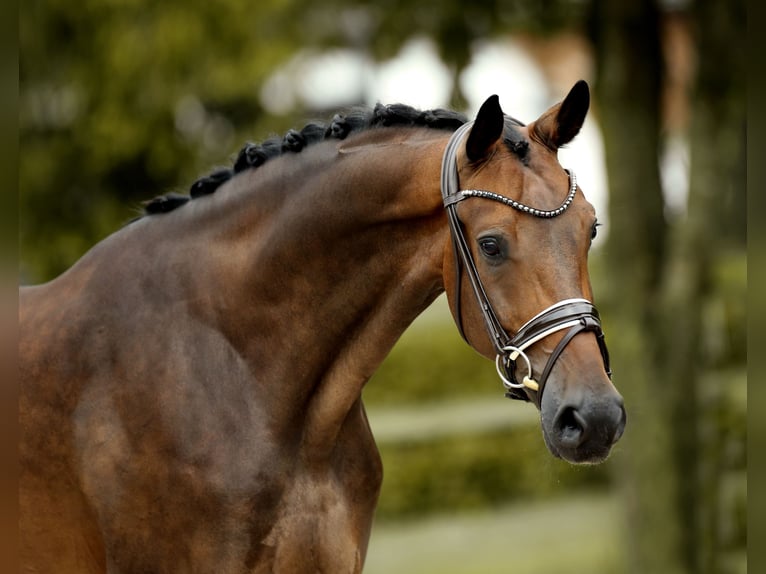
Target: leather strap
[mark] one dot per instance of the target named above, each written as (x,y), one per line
(463,258)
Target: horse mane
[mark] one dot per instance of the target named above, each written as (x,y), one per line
(355,119)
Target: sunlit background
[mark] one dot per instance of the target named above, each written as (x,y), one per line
(121,100)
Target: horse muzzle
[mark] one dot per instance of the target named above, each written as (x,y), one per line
(581,419)
(581,425)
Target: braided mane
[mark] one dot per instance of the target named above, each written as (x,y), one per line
(356,119)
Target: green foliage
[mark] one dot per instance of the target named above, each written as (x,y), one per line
(723,430)
(123,100)
(725,319)
(382,27)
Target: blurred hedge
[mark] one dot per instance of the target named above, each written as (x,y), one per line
(431,363)
(476,471)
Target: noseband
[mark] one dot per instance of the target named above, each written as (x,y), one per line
(576,315)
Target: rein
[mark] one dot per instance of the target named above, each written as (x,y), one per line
(577,315)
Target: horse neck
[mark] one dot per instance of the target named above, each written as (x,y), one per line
(332,254)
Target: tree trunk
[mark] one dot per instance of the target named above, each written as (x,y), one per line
(628,56)
(714,223)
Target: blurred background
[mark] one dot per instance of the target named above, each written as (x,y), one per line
(121,100)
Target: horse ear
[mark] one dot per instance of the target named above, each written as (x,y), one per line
(487,129)
(562,122)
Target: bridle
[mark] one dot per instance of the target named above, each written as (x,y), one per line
(577,315)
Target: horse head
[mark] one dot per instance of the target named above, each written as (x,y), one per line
(516,273)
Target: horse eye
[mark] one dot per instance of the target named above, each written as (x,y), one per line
(594,230)
(490,247)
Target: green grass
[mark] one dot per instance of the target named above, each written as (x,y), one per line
(579,533)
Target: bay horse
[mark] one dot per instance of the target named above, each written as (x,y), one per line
(190,393)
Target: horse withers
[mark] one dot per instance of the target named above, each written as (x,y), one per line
(191,387)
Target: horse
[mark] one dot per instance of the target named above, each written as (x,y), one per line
(190,396)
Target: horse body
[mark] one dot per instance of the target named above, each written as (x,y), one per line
(191,388)
(224,426)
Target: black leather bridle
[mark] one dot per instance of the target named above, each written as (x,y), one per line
(577,315)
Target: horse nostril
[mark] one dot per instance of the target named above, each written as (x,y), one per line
(572,428)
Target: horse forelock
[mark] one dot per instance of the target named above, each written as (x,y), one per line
(514,140)
(356,119)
